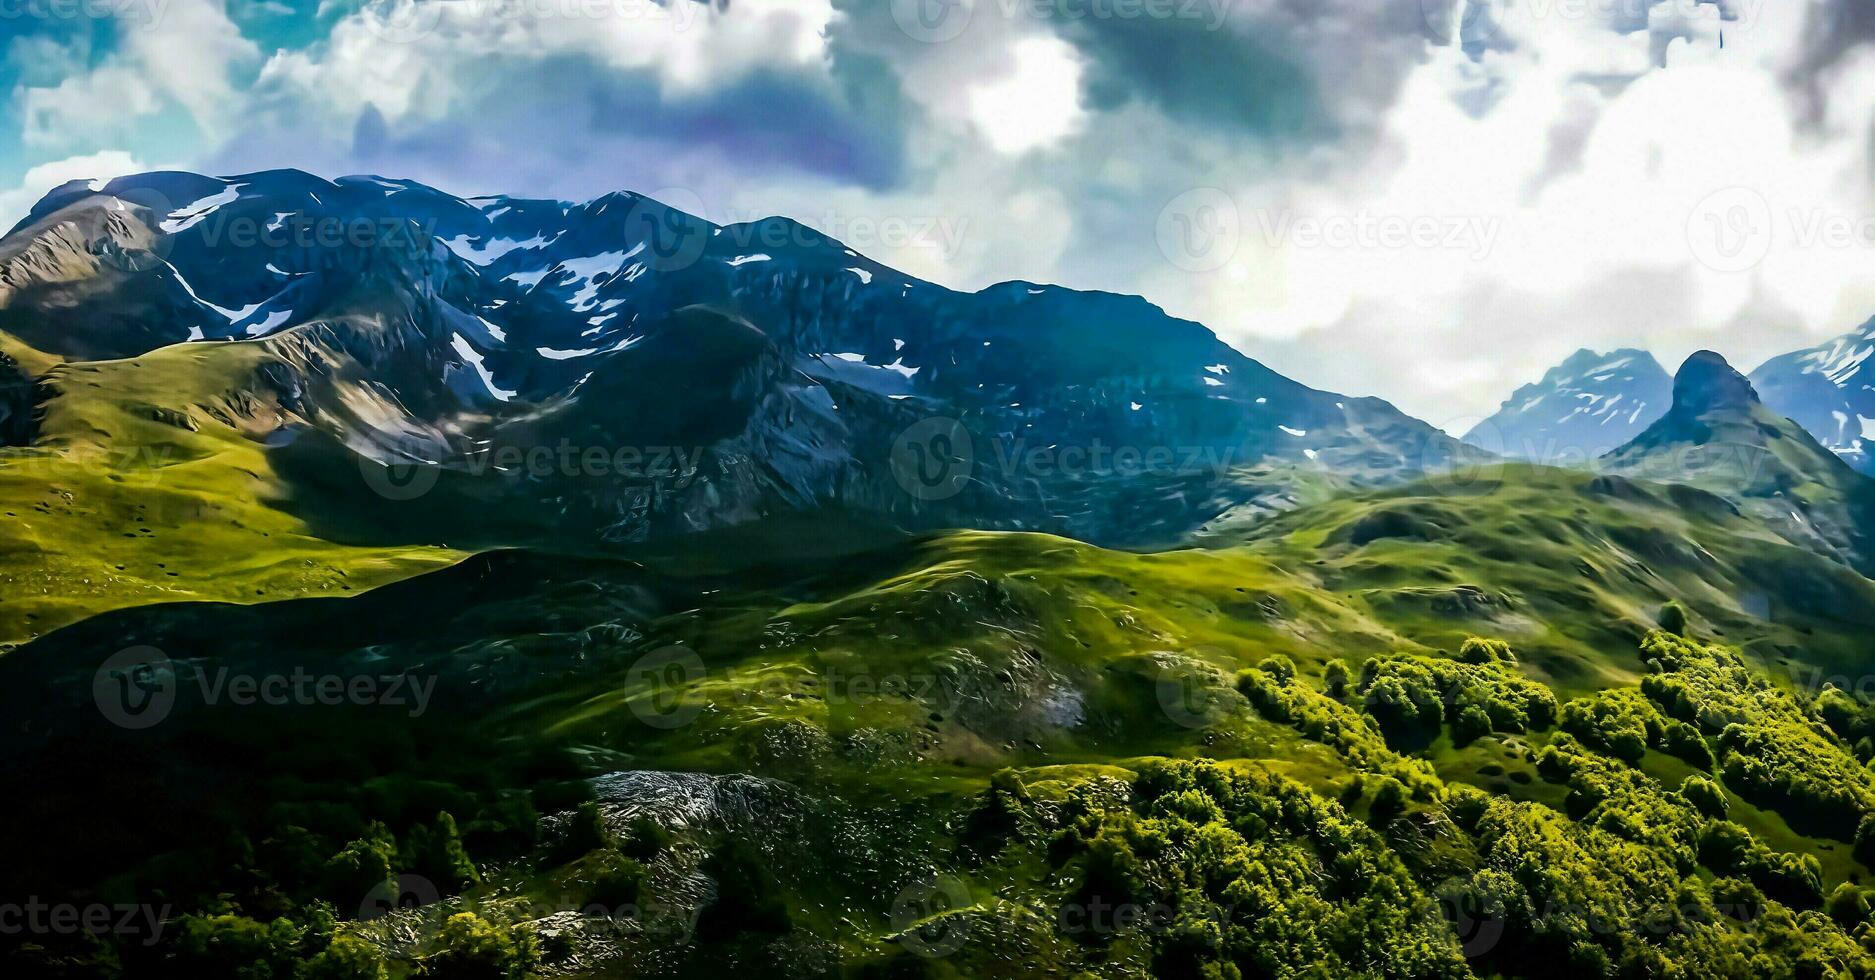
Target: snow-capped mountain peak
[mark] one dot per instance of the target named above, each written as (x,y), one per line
(1583,407)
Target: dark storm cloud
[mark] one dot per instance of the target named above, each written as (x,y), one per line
(1195,72)
(571,128)
(1306,70)
(1832,30)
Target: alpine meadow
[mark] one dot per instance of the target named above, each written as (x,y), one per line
(844,493)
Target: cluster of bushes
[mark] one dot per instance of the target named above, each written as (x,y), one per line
(1633,879)
(1769,746)
(1729,849)
(1617,890)
(1624,723)
(1479,693)
(1274,690)
(310,946)
(1259,877)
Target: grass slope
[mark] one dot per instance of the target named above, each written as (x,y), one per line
(146,484)
(986,710)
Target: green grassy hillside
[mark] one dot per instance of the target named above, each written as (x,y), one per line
(147,483)
(949,757)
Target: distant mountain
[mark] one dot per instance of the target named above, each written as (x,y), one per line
(501,347)
(1718,435)
(1826,390)
(1583,407)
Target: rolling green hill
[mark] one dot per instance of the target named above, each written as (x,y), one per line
(1377,708)
(147,482)
(967,725)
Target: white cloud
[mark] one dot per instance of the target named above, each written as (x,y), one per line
(188,56)
(1036,104)
(1556,172)
(1583,236)
(15,202)
(418,60)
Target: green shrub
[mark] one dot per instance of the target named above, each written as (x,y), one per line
(1672,618)
(1279,667)
(644,839)
(362,867)
(436,853)
(585,833)
(470,947)
(1478,650)
(345,958)
(1705,796)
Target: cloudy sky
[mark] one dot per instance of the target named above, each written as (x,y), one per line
(1428,200)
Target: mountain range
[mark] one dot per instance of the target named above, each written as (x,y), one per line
(1825,390)
(789,374)
(1582,408)
(1594,402)
(768,611)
